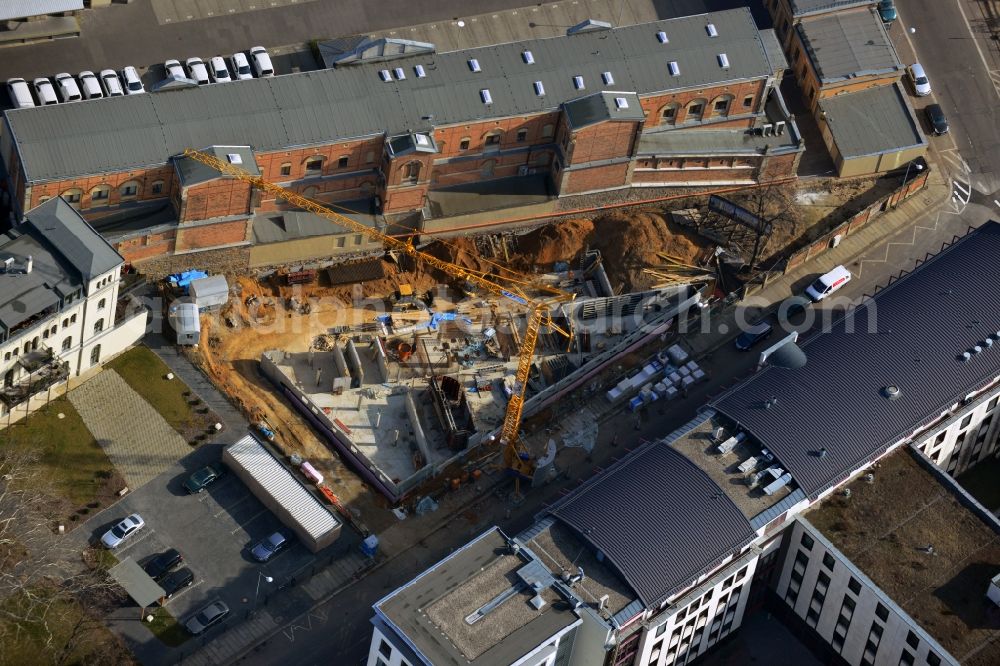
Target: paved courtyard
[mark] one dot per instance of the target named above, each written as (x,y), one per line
(139,442)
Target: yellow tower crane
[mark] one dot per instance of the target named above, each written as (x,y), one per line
(511,286)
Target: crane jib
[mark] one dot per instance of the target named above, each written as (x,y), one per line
(514,297)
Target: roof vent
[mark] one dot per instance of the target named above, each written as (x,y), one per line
(965,356)
(474,65)
(891,392)
(621,102)
(662,36)
(537,602)
(723,61)
(485,95)
(578,82)
(400,74)
(987,343)
(822,452)
(608,78)
(539,88)
(419,69)
(234,158)
(675,69)
(710,29)
(529,58)
(385,75)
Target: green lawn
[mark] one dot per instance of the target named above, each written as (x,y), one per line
(166,628)
(982,482)
(70,457)
(146,373)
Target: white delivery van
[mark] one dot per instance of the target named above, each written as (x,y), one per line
(20,94)
(828,283)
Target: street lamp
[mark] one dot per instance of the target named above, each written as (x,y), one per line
(267,579)
(916,165)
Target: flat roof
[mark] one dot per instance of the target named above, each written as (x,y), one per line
(872,121)
(431,610)
(133,131)
(911,335)
(805,7)
(883,528)
(848,44)
(15,9)
(630,512)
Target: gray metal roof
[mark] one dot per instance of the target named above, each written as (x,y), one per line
(132,131)
(143,589)
(278,482)
(15,9)
(775,53)
(294,224)
(603,106)
(658,518)
(68,233)
(700,142)
(24,295)
(872,121)
(193,172)
(846,45)
(359,48)
(924,323)
(804,7)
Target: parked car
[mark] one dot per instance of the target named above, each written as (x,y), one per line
(176,580)
(261,61)
(112,84)
(198,71)
(828,283)
(887,11)
(753,335)
(267,548)
(19,93)
(241,66)
(935,116)
(198,481)
(90,86)
(45,92)
(122,531)
(133,84)
(161,564)
(795,305)
(219,70)
(68,90)
(173,68)
(921,86)
(206,617)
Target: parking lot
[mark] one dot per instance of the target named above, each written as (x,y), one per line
(213,532)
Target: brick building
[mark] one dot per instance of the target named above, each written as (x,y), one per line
(402,134)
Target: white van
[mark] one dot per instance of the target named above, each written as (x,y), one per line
(45,92)
(68,90)
(828,283)
(90,86)
(20,93)
(261,61)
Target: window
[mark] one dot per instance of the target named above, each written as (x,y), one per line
(522,135)
(822,582)
(933,659)
(95,355)
(72,196)
(721,105)
(489,166)
(464,143)
(285,169)
(696,110)
(369,157)
(748,101)
(548,131)
(6,356)
(342,162)
(853,585)
(100,193)
(493,139)
(828,561)
(881,612)
(411,172)
(660,630)
(669,113)
(156,188)
(340,241)
(906,659)
(807,541)
(850,605)
(45,334)
(67,343)
(65,323)
(72,319)
(98,326)
(384,649)
(912,640)
(314,165)
(993,403)
(966,421)
(102,303)
(358,238)
(129,189)
(838,643)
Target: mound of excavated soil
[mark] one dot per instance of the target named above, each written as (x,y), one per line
(628,242)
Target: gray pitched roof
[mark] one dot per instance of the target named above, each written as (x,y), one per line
(658,518)
(872,121)
(192,172)
(270,114)
(924,322)
(848,44)
(603,106)
(70,235)
(14,9)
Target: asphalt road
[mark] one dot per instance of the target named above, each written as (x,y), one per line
(952,40)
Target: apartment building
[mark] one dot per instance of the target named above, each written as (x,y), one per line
(659,557)
(417,139)
(59,311)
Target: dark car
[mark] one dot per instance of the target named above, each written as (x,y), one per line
(157,567)
(176,580)
(753,335)
(267,548)
(935,116)
(795,305)
(887,11)
(198,481)
(206,617)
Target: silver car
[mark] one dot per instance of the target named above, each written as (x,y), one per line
(206,617)
(117,535)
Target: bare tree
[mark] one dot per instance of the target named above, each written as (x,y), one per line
(47,591)
(775,207)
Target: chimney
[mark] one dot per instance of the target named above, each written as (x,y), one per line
(29,264)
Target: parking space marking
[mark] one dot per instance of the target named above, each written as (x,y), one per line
(183,590)
(131,543)
(243,523)
(228,509)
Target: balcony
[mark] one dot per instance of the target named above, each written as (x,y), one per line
(44,369)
